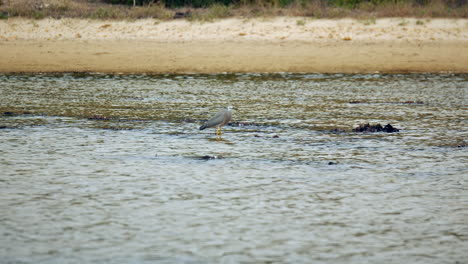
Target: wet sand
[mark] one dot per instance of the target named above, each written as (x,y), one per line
(234,45)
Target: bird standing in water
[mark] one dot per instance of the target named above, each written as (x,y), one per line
(220,119)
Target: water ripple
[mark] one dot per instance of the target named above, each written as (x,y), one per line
(111,168)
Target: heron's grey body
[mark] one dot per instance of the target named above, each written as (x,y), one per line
(220,119)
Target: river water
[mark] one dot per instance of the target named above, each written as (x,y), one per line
(99,168)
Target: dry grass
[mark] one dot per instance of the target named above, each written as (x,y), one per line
(210,14)
(38,9)
(80,9)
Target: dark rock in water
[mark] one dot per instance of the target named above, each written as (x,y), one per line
(208,157)
(390,129)
(375,128)
(98,117)
(9,127)
(189,120)
(332,163)
(413,102)
(367,128)
(258,136)
(336,130)
(8,113)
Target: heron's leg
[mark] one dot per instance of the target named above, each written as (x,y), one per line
(218,130)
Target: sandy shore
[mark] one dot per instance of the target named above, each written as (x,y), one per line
(284,44)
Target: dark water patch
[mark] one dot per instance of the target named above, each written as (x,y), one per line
(19,121)
(8,113)
(96,117)
(365,128)
(185,134)
(121,119)
(358,102)
(459,144)
(244,124)
(15,113)
(191,120)
(114,128)
(412,102)
(387,102)
(8,127)
(337,131)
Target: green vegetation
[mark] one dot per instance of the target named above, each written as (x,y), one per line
(301,22)
(3,15)
(368,21)
(209,10)
(403,23)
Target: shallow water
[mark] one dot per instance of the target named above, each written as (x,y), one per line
(111,168)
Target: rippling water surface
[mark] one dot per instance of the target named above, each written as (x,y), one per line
(113,169)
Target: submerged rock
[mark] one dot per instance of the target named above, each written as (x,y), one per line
(258,136)
(98,117)
(117,128)
(413,102)
(337,130)
(375,128)
(9,113)
(357,102)
(189,120)
(18,113)
(208,157)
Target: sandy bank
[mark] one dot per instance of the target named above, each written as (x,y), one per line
(234,45)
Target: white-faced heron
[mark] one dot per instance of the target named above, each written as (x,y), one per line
(220,119)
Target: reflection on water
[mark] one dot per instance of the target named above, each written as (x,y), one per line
(110,168)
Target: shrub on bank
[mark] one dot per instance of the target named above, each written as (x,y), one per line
(208,10)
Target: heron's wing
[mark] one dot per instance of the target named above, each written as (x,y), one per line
(216,119)
(227,117)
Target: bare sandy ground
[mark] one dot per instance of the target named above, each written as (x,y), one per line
(283,44)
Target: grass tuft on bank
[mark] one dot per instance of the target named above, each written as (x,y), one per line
(209,10)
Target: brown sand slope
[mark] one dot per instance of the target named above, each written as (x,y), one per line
(234,45)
